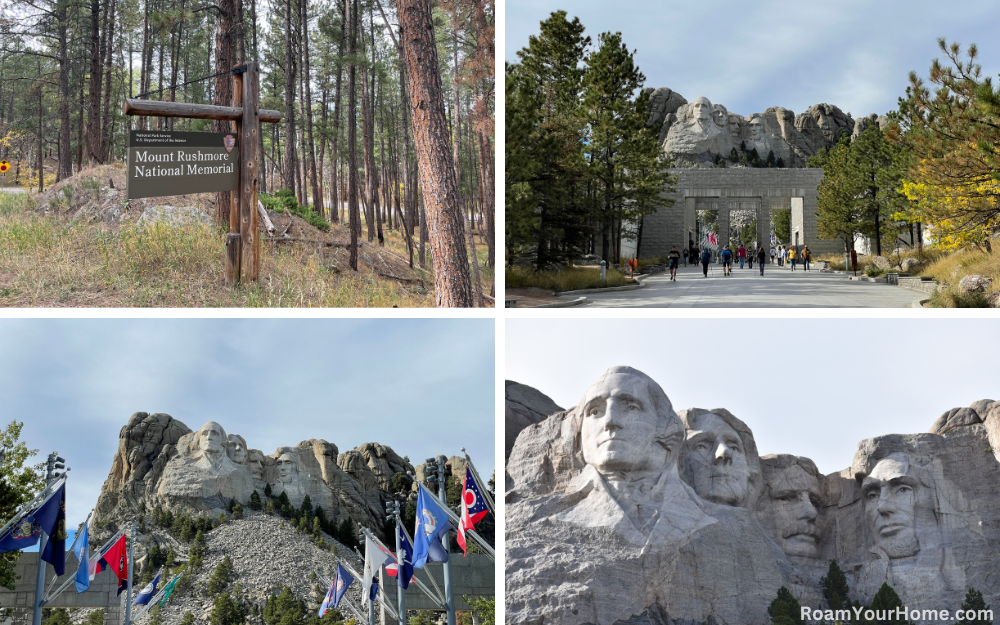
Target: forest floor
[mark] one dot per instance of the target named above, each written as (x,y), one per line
(80,243)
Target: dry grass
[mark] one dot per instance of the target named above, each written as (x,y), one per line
(952,268)
(53,261)
(569,279)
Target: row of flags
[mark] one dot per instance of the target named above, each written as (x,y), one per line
(49,516)
(432,524)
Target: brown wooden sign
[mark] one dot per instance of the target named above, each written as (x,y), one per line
(176,163)
(242,241)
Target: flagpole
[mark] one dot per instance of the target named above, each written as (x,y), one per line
(438,599)
(31,505)
(445,540)
(400,565)
(482,487)
(128,591)
(380,596)
(36,616)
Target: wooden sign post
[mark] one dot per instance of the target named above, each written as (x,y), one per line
(242,241)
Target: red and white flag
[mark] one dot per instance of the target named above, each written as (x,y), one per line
(473,508)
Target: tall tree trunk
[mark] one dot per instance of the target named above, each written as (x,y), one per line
(224,62)
(368,142)
(352,124)
(488,177)
(335,195)
(457,137)
(109,71)
(289,175)
(317,196)
(452,286)
(65,141)
(409,182)
(94,104)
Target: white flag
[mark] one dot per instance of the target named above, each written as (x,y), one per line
(374,558)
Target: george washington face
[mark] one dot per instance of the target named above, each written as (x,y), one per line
(211,438)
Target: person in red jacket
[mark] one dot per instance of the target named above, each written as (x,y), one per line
(741,253)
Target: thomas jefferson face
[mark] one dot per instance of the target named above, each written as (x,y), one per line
(211,438)
(619,426)
(701,109)
(795,495)
(717,460)
(720,115)
(237,449)
(286,468)
(890,496)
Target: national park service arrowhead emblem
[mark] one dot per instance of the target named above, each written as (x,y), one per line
(229,142)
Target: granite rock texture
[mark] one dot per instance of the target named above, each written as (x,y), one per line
(524,406)
(161,461)
(615,515)
(693,139)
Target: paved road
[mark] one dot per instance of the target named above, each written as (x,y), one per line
(778,288)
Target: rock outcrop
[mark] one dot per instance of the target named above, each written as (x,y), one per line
(621,510)
(162,462)
(697,134)
(524,406)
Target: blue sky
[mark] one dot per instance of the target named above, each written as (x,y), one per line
(809,387)
(749,56)
(423,387)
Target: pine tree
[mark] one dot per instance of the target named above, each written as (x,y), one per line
(835,587)
(267,491)
(226,611)
(197,552)
(626,158)
(188,619)
(255,501)
(220,576)
(884,605)
(975,609)
(785,609)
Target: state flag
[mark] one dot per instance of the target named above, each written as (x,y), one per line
(169,590)
(374,558)
(431,521)
(82,552)
(115,558)
(404,559)
(52,518)
(473,508)
(146,594)
(44,517)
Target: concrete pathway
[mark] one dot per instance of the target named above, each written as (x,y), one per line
(745,288)
(12,190)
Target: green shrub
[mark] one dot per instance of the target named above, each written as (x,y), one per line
(220,577)
(952,297)
(284,200)
(873,272)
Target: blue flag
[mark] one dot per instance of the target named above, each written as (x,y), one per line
(82,552)
(436,551)
(404,567)
(28,529)
(147,593)
(431,521)
(344,581)
(52,517)
(374,591)
(338,589)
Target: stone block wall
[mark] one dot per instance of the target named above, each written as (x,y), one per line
(769,187)
(102,593)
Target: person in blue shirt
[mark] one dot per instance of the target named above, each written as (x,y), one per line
(727,261)
(706,257)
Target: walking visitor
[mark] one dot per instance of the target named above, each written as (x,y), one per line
(791,256)
(761,257)
(674,258)
(806,257)
(727,261)
(742,254)
(706,257)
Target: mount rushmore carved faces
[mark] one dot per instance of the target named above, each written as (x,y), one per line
(208,447)
(717,456)
(237,449)
(288,470)
(890,499)
(790,508)
(721,115)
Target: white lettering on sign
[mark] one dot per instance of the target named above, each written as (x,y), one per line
(221,169)
(153,172)
(146,157)
(200,156)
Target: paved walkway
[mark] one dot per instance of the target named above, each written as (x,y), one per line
(778,288)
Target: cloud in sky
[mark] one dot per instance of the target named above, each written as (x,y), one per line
(423,387)
(809,387)
(855,54)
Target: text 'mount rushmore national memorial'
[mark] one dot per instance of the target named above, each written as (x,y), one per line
(623,511)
